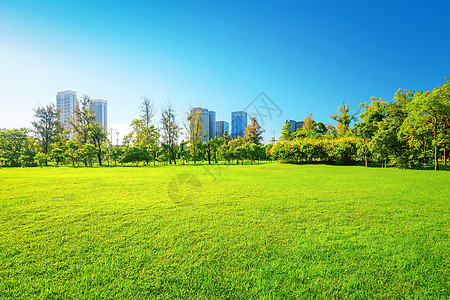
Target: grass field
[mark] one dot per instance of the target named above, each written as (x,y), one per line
(268,231)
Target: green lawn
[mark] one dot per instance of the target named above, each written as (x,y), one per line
(268,231)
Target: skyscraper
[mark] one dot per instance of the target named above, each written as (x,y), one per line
(66,101)
(294,125)
(99,107)
(221,127)
(212,124)
(238,123)
(291,125)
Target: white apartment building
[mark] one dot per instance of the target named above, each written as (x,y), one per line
(66,101)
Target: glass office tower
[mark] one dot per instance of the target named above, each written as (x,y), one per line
(238,123)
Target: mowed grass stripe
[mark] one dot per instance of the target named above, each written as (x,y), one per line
(252,231)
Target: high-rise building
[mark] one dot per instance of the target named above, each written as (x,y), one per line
(204,115)
(99,106)
(66,101)
(212,124)
(291,125)
(238,123)
(221,127)
(294,125)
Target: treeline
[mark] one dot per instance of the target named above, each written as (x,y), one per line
(409,132)
(85,142)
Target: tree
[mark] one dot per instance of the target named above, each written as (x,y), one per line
(57,154)
(72,151)
(308,123)
(253,132)
(442,96)
(146,109)
(15,143)
(268,150)
(132,154)
(86,129)
(286,134)
(403,147)
(226,137)
(236,150)
(254,151)
(373,113)
(215,145)
(195,130)
(429,108)
(114,153)
(343,118)
(184,153)
(383,142)
(46,126)
(88,153)
(164,153)
(41,159)
(79,122)
(98,136)
(144,137)
(169,131)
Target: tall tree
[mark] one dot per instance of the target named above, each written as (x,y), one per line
(403,153)
(286,134)
(373,113)
(429,108)
(147,112)
(170,131)
(195,128)
(343,119)
(143,137)
(308,123)
(442,93)
(46,126)
(253,132)
(87,130)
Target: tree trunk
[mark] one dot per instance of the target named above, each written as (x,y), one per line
(436,162)
(445,156)
(365,156)
(209,155)
(424,145)
(99,155)
(173,157)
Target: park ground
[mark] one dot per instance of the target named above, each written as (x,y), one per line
(267,231)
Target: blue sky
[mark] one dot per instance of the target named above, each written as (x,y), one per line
(308,57)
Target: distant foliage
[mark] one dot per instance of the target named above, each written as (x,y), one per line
(17,148)
(340,150)
(410,132)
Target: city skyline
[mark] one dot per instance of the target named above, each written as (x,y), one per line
(307,57)
(68,99)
